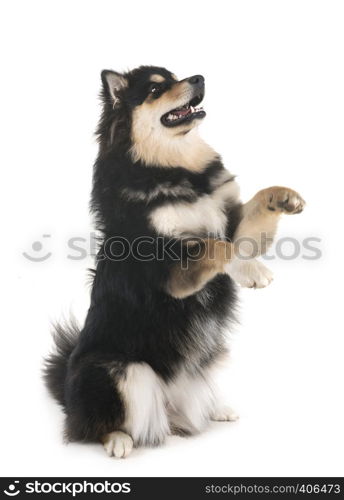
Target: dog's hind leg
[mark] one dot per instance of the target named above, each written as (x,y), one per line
(93,404)
(142,392)
(120,405)
(256,231)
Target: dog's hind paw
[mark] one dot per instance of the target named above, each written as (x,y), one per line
(118,444)
(225,414)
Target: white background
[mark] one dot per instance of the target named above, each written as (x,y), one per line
(275,87)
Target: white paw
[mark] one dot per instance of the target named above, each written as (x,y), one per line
(118,444)
(249,273)
(225,414)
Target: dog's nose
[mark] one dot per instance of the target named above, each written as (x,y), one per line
(197,80)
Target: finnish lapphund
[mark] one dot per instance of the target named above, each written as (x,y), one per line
(164,287)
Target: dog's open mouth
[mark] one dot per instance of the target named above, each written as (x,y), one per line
(185,113)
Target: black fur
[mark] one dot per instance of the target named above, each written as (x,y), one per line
(65,338)
(131,317)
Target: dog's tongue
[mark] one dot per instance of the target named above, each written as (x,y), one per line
(181,112)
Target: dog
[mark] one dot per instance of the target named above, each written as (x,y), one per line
(164,289)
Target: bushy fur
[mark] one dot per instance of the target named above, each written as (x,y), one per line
(132,319)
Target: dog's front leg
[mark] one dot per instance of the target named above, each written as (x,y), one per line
(256,231)
(207,258)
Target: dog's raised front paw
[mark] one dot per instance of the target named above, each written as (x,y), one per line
(118,444)
(249,273)
(282,199)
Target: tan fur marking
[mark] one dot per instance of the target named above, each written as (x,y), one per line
(212,259)
(157,78)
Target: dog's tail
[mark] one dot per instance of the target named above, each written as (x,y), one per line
(55,365)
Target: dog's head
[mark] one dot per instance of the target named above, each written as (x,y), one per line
(153,106)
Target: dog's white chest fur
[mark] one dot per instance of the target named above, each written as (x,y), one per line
(182,219)
(205,216)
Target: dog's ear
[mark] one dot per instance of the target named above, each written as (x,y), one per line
(113,83)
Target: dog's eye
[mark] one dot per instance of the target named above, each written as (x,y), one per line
(155,89)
